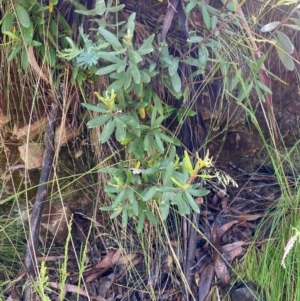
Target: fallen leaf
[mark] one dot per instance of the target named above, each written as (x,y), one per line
(63,134)
(205,282)
(221,270)
(223,229)
(3,120)
(31,130)
(234,245)
(32,155)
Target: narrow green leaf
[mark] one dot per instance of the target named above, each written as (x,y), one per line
(205,15)
(135,72)
(107,131)
(286,59)
(146,143)
(176,82)
(286,43)
(108,69)
(145,78)
(264,87)
(27,33)
(174,67)
(130,23)
(270,26)
(164,209)
(98,121)
(158,121)
(151,171)
(15,50)
(151,217)
(244,91)
(117,84)
(22,15)
(191,202)
(168,174)
(141,222)
(120,129)
(116,213)
(120,197)
(111,38)
(100,108)
(111,57)
(214,22)
(198,192)
(7,22)
(160,146)
(148,194)
(157,103)
(115,9)
(134,56)
(124,217)
(191,5)
(146,47)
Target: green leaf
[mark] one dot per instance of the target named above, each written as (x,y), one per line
(160,146)
(141,222)
(100,108)
(148,194)
(198,192)
(107,130)
(135,72)
(286,59)
(120,197)
(111,38)
(27,33)
(116,213)
(110,57)
(157,103)
(146,143)
(264,87)
(146,47)
(124,217)
(133,202)
(191,201)
(214,22)
(176,82)
(286,43)
(7,22)
(205,15)
(151,217)
(134,56)
(24,60)
(270,26)
(168,174)
(115,9)
(98,121)
(190,6)
(130,23)
(244,91)
(145,78)
(15,50)
(150,171)
(108,69)
(117,84)
(174,67)
(120,129)
(22,15)
(164,209)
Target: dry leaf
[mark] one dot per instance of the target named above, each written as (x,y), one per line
(3,120)
(63,134)
(56,221)
(234,245)
(32,155)
(33,129)
(205,282)
(223,229)
(221,270)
